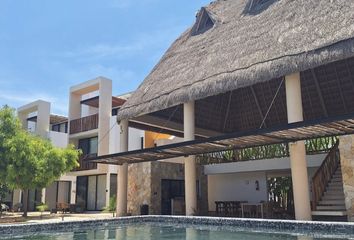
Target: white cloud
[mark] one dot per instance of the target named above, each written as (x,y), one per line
(19,98)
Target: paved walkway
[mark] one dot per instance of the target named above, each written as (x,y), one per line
(35,217)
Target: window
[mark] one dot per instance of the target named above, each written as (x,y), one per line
(61,127)
(204,23)
(115,111)
(257,6)
(89,146)
(56,128)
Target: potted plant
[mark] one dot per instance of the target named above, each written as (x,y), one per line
(41,207)
(112,205)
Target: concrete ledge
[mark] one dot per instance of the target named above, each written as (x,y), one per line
(275,226)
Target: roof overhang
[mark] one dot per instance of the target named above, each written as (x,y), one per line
(94,102)
(335,126)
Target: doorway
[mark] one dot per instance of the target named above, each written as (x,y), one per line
(170,189)
(91,192)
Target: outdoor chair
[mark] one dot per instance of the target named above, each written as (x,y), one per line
(250,211)
(220,208)
(17,207)
(63,207)
(268,208)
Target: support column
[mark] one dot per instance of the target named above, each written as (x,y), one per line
(108,190)
(43,195)
(297,150)
(122,192)
(190,175)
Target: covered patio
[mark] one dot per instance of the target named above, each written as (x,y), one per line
(247,74)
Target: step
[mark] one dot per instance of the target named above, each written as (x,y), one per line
(331,208)
(334,188)
(339,180)
(335,184)
(329,213)
(331,202)
(333,197)
(334,192)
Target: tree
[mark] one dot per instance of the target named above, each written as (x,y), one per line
(9,126)
(3,192)
(29,161)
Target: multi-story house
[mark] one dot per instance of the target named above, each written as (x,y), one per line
(93,128)
(36,118)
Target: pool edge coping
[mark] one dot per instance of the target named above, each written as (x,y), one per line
(259,224)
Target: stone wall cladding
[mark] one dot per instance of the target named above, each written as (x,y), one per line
(139,186)
(144,185)
(159,171)
(175,171)
(346,150)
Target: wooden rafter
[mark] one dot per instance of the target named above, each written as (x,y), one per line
(319,92)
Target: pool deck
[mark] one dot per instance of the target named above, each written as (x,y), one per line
(88,221)
(35,217)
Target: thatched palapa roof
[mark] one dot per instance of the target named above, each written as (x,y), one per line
(248,44)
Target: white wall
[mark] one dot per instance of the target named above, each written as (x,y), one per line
(135,136)
(236,187)
(58,139)
(236,181)
(260,165)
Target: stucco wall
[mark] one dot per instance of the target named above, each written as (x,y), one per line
(236,187)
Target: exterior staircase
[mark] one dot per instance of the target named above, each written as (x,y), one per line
(327,189)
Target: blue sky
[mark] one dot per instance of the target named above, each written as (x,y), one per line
(46,46)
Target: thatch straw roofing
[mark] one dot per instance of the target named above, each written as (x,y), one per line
(244,48)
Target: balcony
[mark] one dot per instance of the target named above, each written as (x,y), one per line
(86,165)
(84,124)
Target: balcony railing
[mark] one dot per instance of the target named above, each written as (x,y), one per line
(86,165)
(84,124)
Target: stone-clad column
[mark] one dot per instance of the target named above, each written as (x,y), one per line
(190,173)
(346,151)
(122,191)
(297,150)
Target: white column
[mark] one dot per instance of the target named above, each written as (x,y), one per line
(190,177)
(297,150)
(122,193)
(16,196)
(43,119)
(43,195)
(73,190)
(108,190)
(104,116)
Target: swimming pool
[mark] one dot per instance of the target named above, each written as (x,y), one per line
(173,228)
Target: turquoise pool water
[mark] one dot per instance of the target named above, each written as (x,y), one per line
(153,232)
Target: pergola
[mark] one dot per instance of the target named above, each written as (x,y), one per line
(248,73)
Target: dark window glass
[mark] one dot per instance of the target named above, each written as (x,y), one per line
(113,186)
(81,191)
(114,112)
(89,145)
(56,128)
